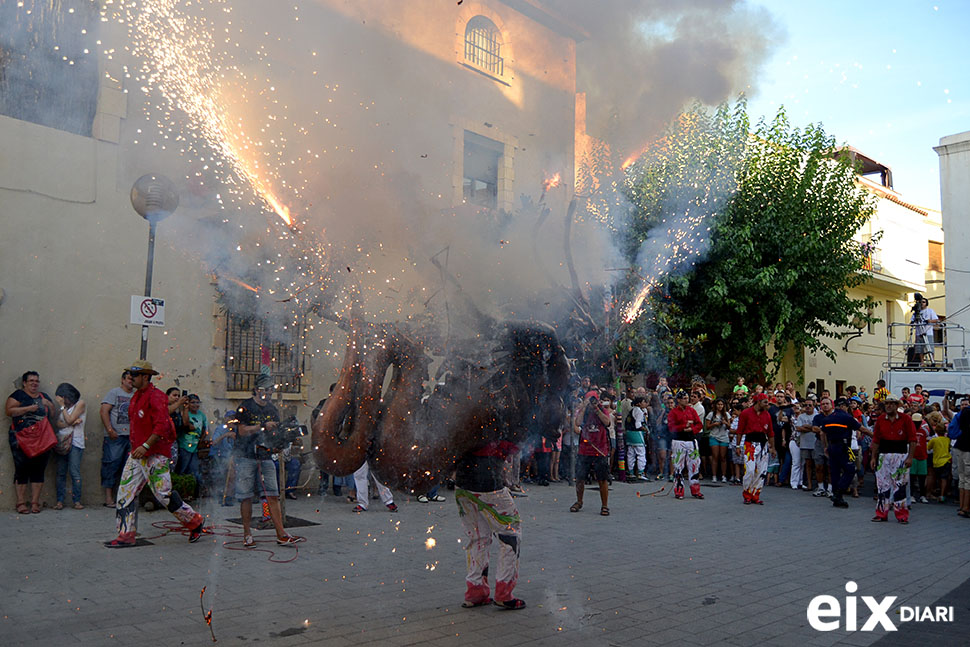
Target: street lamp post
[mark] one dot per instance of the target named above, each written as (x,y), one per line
(154,198)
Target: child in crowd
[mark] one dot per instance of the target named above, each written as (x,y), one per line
(917,471)
(735,449)
(881,392)
(773,466)
(939,447)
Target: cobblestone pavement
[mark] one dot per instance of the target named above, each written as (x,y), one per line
(655,572)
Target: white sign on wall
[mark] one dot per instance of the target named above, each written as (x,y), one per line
(147,311)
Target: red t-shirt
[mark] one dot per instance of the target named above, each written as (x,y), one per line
(917,398)
(922,432)
(752,422)
(678,418)
(148,414)
(595,437)
(901,428)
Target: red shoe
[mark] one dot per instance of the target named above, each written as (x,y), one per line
(124,540)
(392,507)
(359,508)
(196,533)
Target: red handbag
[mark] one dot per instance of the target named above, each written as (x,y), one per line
(37,438)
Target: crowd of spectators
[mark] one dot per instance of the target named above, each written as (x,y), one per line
(641,437)
(679,436)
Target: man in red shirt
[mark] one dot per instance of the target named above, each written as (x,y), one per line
(591,422)
(152,434)
(893,442)
(757,432)
(684,425)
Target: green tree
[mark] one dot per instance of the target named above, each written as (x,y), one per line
(778,216)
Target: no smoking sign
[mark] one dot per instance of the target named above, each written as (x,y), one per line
(147,311)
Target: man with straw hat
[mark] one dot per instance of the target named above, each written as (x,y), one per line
(152,435)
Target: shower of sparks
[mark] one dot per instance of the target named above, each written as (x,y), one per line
(692,175)
(430,543)
(180,63)
(192,64)
(678,247)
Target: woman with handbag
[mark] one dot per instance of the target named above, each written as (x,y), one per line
(70,442)
(31,439)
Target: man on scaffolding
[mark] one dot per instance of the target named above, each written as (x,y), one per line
(922,322)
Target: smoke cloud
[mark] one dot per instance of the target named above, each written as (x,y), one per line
(647,59)
(348,134)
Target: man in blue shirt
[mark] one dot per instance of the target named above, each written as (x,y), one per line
(836,427)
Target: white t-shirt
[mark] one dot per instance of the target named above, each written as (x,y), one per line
(718,432)
(806,439)
(923,327)
(77,428)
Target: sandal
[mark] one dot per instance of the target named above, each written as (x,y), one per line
(576,507)
(604,511)
(513,605)
(22,508)
(58,506)
(249,542)
(35,508)
(78,506)
(468,604)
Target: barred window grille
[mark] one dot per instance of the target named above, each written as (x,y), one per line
(483,46)
(245,341)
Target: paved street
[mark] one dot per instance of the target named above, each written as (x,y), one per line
(656,572)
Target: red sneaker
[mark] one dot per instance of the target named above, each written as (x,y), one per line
(124,540)
(196,533)
(392,507)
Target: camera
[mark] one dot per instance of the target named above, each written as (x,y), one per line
(184,393)
(285,434)
(918,306)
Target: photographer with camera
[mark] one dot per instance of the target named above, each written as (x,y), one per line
(922,323)
(259,421)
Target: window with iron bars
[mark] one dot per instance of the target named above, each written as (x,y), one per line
(483,46)
(246,341)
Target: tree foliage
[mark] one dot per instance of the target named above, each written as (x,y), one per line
(780,254)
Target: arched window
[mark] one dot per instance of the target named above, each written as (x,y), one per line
(483,46)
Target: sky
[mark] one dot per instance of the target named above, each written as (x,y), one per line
(888,78)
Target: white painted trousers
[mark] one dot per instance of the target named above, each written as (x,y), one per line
(360,483)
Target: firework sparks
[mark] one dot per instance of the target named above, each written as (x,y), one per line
(241,284)
(552,182)
(180,63)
